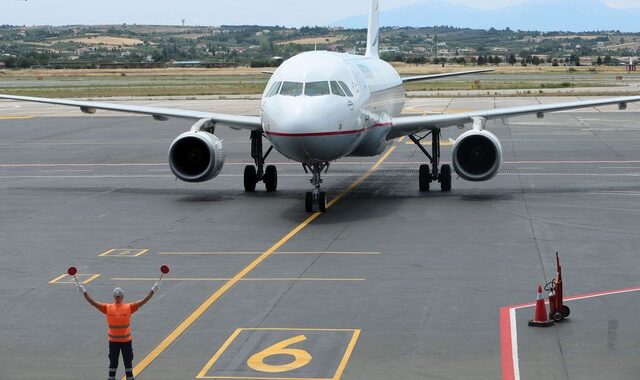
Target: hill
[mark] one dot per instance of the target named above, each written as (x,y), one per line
(543,15)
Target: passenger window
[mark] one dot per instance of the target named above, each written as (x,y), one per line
(346,89)
(336,90)
(317,89)
(274,89)
(291,89)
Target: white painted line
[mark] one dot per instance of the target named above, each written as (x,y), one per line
(514,344)
(514,327)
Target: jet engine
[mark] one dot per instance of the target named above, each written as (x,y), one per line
(196,156)
(477,155)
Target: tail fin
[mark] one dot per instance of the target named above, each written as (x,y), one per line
(373,38)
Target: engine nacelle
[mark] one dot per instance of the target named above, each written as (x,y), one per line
(196,156)
(477,155)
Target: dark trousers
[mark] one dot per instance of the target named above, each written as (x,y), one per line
(127,357)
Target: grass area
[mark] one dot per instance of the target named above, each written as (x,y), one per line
(498,85)
(245,81)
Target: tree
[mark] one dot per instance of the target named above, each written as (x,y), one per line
(599,61)
(512,59)
(482,60)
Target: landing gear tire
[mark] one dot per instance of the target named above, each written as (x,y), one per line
(445,178)
(308,202)
(322,201)
(250,178)
(271,178)
(425,178)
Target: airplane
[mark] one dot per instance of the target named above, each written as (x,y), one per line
(319,107)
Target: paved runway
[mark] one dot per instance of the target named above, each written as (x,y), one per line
(388,284)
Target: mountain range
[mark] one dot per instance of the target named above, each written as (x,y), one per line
(543,15)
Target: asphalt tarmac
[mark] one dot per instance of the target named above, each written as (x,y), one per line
(388,284)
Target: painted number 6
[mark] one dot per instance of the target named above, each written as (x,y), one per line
(300,357)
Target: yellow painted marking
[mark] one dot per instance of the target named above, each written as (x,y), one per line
(16,117)
(296,329)
(300,357)
(347,355)
(339,371)
(207,367)
(229,279)
(264,378)
(55,280)
(259,253)
(442,143)
(123,252)
(88,279)
(204,306)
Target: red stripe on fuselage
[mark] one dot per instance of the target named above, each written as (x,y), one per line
(331,133)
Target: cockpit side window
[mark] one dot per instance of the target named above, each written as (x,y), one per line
(336,90)
(274,89)
(346,89)
(317,89)
(291,89)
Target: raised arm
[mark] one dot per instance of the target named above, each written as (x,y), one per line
(86,295)
(146,299)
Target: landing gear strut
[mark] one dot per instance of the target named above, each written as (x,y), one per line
(316,197)
(433,174)
(257,173)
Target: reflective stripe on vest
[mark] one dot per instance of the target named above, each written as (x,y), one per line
(119,322)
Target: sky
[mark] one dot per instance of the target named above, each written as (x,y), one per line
(209,12)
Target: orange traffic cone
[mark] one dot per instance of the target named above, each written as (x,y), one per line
(540,319)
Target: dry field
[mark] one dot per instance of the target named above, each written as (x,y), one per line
(313,41)
(103,40)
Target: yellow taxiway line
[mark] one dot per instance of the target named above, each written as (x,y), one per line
(242,279)
(16,117)
(259,253)
(204,306)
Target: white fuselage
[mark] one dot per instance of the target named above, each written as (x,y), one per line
(310,117)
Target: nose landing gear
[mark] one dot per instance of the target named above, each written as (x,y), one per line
(257,173)
(316,197)
(427,175)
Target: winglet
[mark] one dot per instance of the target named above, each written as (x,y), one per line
(374,30)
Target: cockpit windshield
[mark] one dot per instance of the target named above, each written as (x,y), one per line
(322,88)
(317,89)
(291,89)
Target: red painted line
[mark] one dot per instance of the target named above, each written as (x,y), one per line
(315,134)
(329,133)
(506,344)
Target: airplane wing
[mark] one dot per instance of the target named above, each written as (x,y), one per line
(407,125)
(158,113)
(445,75)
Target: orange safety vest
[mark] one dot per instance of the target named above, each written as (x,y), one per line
(119,321)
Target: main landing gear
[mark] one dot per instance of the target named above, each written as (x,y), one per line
(433,173)
(257,173)
(316,197)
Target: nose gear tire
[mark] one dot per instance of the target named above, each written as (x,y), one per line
(322,201)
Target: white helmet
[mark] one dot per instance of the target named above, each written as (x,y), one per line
(118,292)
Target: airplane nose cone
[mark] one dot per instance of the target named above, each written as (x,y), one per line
(308,129)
